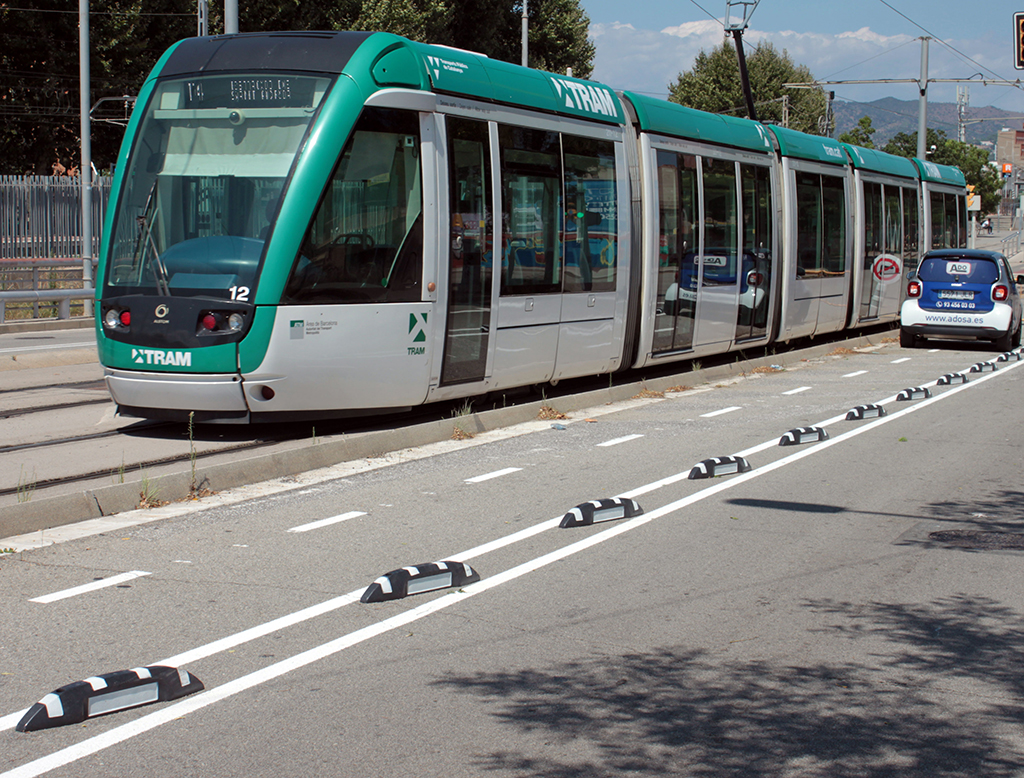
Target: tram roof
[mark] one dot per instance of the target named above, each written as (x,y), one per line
(879,162)
(679,121)
(398,62)
(454,71)
(813,147)
(940,174)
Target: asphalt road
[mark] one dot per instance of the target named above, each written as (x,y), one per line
(797,620)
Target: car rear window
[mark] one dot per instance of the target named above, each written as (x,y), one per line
(973,270)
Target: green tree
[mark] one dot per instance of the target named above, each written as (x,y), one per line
(39,88)
(860,135)
(972,160)
(713,85)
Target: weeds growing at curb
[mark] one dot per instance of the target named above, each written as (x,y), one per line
(26,488)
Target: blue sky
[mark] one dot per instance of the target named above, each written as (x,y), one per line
(644,45)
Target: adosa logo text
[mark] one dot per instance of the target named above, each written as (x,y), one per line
(148,356)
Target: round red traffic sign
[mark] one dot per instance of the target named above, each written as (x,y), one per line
(886,268)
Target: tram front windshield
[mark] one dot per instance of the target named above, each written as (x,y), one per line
(204,181)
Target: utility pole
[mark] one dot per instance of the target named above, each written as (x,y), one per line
(922,109)
(85,172)
(230,17)
(963,98)
(737,28)
(526,41)
(202,18)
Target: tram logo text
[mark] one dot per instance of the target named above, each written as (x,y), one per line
(148,356)
(586,97)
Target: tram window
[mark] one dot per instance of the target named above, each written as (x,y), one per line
(591,224)
(893,222)
(365,242)
(719,258)
(911,236)
(874,244)
(808,215)
(531,185)
(677,241)
(955,209)
(833,210)
(757,210)
(756,268)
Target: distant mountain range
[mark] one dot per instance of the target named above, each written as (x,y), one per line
(890,116)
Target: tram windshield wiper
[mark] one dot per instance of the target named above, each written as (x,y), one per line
(145,243)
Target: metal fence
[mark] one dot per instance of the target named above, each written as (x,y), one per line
(41,216)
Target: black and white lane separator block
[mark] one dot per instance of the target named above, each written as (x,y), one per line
(596,511)
(417,579)
(865,412)
(914,393)
(108,693)
(716,466)
(801,435)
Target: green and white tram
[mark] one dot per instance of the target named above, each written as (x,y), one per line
(324,224)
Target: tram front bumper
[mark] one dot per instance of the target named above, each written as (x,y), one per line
(176,396)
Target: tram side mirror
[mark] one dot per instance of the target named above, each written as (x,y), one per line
(1020,279)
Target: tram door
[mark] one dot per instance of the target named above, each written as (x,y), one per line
(471,252)
(756,263)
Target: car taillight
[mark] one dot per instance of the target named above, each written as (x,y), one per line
(754,278)
(914,289)
(1000,292)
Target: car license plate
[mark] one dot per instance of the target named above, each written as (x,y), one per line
(955,294)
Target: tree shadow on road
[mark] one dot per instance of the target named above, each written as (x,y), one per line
(685,712)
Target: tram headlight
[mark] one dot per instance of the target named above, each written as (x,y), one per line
(117,319)
(235,322)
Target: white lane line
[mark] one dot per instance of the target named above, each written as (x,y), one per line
(934,350)
(209,697)
(797,390)
(855,373)
(327,522)
(89,587)
(617,441)
(46,348)
(901,359)
(496,474)
(720,412)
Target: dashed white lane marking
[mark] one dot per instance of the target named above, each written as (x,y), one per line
(114,580)
(720,412)
(617,441)
(327,522)
(496,474)
(901,359)
(797,390)
(855,373)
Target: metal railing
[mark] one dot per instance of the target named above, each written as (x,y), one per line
(1011,244)
(41,216)
(34,289)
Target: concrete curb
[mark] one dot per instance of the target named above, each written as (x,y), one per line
(35,515)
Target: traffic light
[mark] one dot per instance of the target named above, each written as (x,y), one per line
(1018,41)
